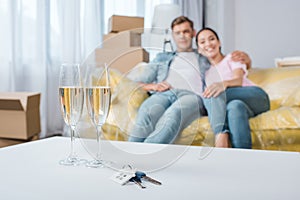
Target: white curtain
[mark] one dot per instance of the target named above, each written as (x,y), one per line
(36,37)
(193,9)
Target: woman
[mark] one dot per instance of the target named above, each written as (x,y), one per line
(229,96)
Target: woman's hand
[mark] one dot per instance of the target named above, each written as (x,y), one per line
(214,90)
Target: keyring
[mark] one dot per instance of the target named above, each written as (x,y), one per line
(127,166)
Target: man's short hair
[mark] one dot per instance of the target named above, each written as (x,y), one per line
(180,20)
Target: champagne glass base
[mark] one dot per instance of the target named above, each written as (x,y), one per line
(98,164)
(72,161)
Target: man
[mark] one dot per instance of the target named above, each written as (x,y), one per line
(174,79)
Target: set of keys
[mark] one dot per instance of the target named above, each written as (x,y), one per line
(131,175)
(139,176)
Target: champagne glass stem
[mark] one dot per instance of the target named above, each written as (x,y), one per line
(99,131)
(72,153)
(72,158)
(97,162)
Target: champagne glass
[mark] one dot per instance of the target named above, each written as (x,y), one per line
(71,95)
(98,96)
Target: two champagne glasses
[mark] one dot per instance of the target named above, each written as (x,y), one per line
(97,96)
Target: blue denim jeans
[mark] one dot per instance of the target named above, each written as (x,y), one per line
(231,110)
(164,115)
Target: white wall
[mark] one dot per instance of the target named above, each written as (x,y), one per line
(266,29)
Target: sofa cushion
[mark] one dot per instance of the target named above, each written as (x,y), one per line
(284,92)
(294,98)
(281,118)
(281,84)
(276,139)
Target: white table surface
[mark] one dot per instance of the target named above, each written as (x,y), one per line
(31,171)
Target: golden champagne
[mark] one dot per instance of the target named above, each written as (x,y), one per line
(98,103)
(71,99)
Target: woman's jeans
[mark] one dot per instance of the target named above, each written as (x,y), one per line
(231,110)
(164,115)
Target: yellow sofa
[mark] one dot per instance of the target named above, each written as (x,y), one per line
(277,129)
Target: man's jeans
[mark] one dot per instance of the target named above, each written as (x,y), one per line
(231,110)
(164,115)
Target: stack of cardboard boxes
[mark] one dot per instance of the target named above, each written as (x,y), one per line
(121,47)
(19,117)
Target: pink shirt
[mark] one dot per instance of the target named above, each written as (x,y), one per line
(223,71)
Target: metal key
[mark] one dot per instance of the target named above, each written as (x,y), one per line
(142,175)
(137,180)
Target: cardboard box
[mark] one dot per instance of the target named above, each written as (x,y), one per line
(122,59)
(9,142)
(123,39)
(118,23)
(19,115)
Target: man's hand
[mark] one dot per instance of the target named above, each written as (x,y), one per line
(214,90)
(240,56)
(163,86)
(158,87)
